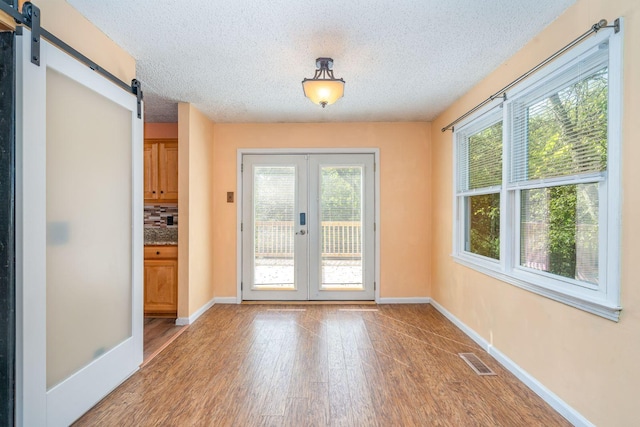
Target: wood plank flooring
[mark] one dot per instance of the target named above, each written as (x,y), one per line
(321,365)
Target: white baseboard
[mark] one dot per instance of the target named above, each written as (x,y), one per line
(404,300)
(226,300)
(181,321)
(573,416)
(464,328)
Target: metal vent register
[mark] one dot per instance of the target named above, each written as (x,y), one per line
(476,364)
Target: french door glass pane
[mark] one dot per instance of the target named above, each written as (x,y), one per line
(559,231)
(274,214)
(483,230)
(341,218)
(88,214)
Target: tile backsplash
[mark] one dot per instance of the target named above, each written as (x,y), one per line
(156,216)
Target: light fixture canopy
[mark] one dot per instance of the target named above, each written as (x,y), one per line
(323,89)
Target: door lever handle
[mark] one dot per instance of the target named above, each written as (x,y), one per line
(302,232)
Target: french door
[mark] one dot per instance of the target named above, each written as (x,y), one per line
(308,227)
(78,237)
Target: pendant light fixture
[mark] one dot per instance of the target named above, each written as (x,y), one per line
(323,89)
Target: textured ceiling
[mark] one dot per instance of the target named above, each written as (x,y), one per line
(243,61)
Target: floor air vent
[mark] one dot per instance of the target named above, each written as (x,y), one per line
(476,364)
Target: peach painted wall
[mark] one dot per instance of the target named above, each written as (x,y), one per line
(405,207)
(59,18)
(160,130)
(589,362)
(6,22)
(195,201)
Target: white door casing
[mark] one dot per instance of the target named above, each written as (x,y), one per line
(335,244)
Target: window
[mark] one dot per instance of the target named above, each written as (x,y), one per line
(537,182)
(479,185)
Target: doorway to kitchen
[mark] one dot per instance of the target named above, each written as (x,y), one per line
(308,226)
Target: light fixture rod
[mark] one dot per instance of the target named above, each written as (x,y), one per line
(324,69)
(502,92)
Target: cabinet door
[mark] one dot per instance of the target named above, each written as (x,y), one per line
(160,287)
(150,171)
(168,166)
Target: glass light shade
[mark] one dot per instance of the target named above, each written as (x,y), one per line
(323,92)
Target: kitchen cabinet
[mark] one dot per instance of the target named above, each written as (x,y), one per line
(161,171)
(160,281)
(150,171)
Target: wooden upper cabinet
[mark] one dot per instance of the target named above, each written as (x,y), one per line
(160,170)
(168,170)
(150,171)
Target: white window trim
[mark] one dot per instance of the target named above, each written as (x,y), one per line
(604,300)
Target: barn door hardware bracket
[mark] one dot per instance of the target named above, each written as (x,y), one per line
(31,16)
(136,89)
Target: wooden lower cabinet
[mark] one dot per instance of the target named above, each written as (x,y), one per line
(161,281)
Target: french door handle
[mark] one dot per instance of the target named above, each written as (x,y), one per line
(302,232)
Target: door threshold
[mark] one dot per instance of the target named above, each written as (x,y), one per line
(166,342)
(309,302)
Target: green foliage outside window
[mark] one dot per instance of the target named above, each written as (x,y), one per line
(484,225)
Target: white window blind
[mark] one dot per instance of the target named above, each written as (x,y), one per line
(480,157)
(560,129)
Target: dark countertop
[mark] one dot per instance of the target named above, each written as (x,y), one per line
(160,236)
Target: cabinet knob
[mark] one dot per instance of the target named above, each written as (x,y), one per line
(161,192)
(158,253)
(154,191)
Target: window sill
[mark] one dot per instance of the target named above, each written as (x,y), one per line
(599,308)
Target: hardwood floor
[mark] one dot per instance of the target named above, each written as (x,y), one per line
(324,365)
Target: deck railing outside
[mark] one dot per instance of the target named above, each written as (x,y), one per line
(340,239)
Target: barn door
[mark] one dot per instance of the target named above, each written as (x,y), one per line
(79,236)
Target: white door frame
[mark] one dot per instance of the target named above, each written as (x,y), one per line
(376,174)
